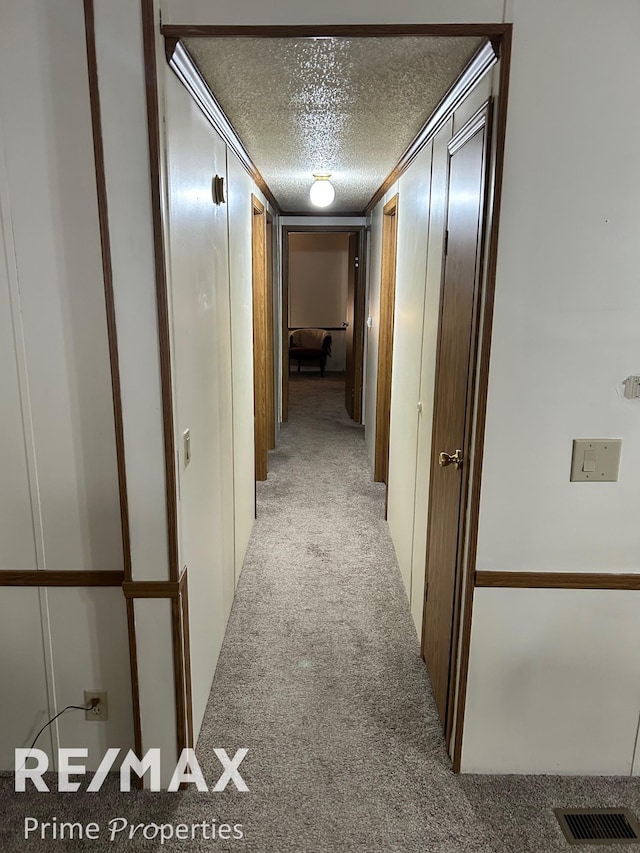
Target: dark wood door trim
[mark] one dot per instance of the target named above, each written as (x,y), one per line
(481,120)
(107,269)
(499,121)
(386,320)
(178,31)
(557,580)
(359,319)
(270,289)
(157,211)
(260,335)
(284,355)
(155,155)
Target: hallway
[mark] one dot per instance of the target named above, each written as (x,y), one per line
(321,679)
(320,676)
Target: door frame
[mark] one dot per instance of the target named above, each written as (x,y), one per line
(259,278)
(386,326)
(500,37)
(358,307)
(481,119)
(270,341)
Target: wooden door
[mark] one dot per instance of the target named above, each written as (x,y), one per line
(452,406)
(350,364)
(285,325)
(259,269)
(270,378)
(385,338)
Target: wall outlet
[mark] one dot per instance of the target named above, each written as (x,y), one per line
(100,712)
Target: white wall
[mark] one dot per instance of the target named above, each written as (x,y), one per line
(332,12)
(211,318)
(370,377)
(201,361)
(565,335)
(413,228)
(553,685)
(60,499)
(126,157)
(318,273)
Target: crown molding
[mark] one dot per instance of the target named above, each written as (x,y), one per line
(484,59)
(187,72)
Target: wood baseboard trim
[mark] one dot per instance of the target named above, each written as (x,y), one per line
(56,577)
(557,580)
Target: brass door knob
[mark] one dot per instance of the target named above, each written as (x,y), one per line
(455,459)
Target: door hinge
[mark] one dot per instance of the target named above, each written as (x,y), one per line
(446,242)
(426,591)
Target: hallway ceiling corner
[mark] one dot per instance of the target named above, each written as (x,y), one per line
(349,106)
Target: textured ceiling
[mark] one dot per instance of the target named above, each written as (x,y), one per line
(349,106)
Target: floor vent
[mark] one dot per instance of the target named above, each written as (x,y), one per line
(598,826)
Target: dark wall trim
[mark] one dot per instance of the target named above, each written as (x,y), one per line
(153,123)
(326,328)
(482,385)
(135,682)
(179,31)
(184,601)
(105,244)
(352,214)
(143,589)
(557,580)
(155,589)
(477,68)
(56,577)
(151,589)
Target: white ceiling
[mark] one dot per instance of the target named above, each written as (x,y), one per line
(349,106)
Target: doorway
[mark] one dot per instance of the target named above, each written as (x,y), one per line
(260,337)
(500,35)
(453,402)
(385,340)
(348,334)
(270,342)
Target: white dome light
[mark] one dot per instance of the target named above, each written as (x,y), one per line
(322,192)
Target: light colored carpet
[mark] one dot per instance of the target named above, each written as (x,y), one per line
(321,678)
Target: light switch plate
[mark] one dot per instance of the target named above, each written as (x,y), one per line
(595,460)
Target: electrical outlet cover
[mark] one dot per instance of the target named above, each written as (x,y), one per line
(101,712)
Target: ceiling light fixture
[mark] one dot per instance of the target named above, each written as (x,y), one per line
(322,192)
